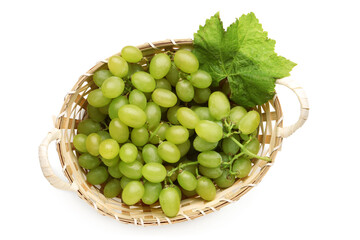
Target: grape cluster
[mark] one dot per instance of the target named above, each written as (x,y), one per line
(162,132)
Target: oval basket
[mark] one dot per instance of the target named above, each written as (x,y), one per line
(271,134)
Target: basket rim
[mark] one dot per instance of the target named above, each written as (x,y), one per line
(70,168)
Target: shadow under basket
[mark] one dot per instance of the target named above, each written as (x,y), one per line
(270,135)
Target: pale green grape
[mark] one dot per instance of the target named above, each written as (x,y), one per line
(169,201)
(150,154)
(184,147)
(104,134)
(113,87)
(187,180)
(138,98)
(92,144)
(163,83)
(186,61)
(95,114)
(133,68)
(204,113)
(206,189)
(173,75)
(169,152)
(109,148)
(153,115)
(219,105)
(124,181)
(97,176)
(249,122)
(164,97)
(172,115)
(114,171)
(187,117)
(100,76)
(253,146)
(200,79)
(112,188)
(118,130)
(160,134)
(210,172)
(115,105)
(185,91)
(225,180)
(202,145)
(88,126)
(201,95)
(139,136)
(159,65)
(131,170)
(131,54)
(229,147)
(210,159)
(132,116)
(154,172)
(128,152)
(110,162)
(242,167)
(97,99)
(88,161)
(177,134)
(236,113)
(209,131)
(151,193)
(79,142)
(118,66)
(143,81)
(132,192)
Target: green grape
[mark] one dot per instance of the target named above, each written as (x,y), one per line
(132,192)
(242,167)
(153,115)
(229,147)
(139,136)
(253,146)
(132,116)
(128,152)
(160,65)
(169,152)
(219,105)
(224,157)
(204,113)
(113,87)
(88,161)
(173,75)
(151,193)
(173,176)
(210,172)
(200,79)
(186,61)
(236,113)
(109,148)
(190,168)
(209,131)
(187,180)
(160,135)
(79,142)
(143,81)
(249,122)
(104,109)
(97,176)
(206,189)
(92,144)
(112,188)
(140,158)
(187,117)
(154,172)
(164,97)
(118,66)
(104,135)
(210,159)
(188,193)
(111,161)
(138,98)
(172,115)
(97,99)
(178,190)
(118,130)
(100,76)
(88,126)
(124,181)
(184,147)
(185,91)
(114,171)
(201,95)
(225,180)
(115,105)
(95,114)
(163,83)
(169,201)
(177,134)
(150,154)
(131,170)
(133,68)
(131,54)
(202,145)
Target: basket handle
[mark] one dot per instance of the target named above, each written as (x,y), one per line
(49,174)
(304,107)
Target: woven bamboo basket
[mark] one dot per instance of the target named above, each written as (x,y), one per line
(271,134)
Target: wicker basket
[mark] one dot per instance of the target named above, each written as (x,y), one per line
(271,134)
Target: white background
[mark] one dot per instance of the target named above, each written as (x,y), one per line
(311,192)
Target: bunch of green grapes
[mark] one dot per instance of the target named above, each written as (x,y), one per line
(162,132)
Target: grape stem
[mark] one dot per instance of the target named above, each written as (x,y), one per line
(179,167)
(247,152)
(154,133)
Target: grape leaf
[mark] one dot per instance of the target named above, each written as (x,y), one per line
(244,55)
